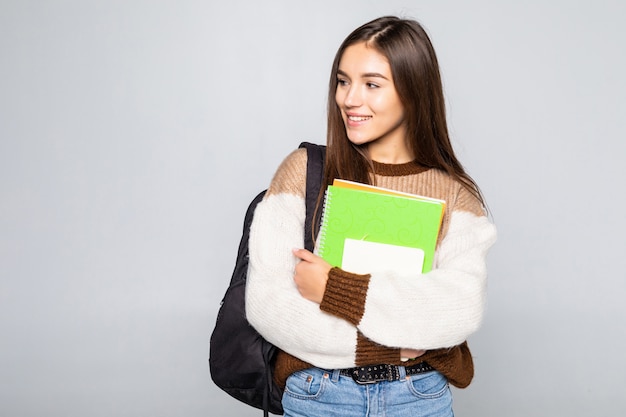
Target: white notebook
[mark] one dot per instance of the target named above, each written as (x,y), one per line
(362,257)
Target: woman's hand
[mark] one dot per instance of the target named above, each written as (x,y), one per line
(311,275)
(407,354)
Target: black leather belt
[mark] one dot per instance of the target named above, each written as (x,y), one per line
(376,373)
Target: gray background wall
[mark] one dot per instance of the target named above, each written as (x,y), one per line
(134,133)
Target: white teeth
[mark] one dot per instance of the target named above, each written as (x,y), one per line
(359,118)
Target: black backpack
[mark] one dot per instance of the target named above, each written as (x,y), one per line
(240,360)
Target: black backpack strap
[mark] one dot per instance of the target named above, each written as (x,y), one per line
(314,176)
(269,351)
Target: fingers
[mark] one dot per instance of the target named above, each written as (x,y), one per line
(304,254)
(410,354)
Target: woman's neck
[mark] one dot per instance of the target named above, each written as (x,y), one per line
(388,153)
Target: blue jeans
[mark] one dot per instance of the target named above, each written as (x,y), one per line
(320,393)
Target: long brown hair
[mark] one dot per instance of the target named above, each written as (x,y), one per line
(417,80)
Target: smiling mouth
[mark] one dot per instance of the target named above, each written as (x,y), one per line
(359,118)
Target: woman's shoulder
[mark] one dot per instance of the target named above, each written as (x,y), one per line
(458,196)
(290,177)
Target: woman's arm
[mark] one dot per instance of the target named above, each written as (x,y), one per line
(273,304)
(434,310)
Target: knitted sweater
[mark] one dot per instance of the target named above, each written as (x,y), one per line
(366,319)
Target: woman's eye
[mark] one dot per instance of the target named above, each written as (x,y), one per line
(372,85)
(342,82)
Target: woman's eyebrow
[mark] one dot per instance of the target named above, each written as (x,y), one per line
(365,75)
(374,75)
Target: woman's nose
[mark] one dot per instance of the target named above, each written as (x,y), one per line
(353,97)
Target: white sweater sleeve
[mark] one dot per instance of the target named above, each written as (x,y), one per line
(440,308)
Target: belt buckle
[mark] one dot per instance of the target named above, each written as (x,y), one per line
(361,376)
(374,374)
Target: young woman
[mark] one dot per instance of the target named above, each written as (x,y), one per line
(345,338)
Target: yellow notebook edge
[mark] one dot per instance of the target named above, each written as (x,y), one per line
(373,188)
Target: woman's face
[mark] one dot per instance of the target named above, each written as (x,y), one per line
(369,103)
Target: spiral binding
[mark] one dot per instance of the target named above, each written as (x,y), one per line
(324,222)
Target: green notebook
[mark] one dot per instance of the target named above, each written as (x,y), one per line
(367,231)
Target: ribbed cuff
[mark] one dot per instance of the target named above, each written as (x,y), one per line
(345,295)
(369,352)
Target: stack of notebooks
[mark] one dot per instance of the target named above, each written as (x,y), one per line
(368,229)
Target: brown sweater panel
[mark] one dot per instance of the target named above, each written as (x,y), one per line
(285,365)
(455,363)
(369,352)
